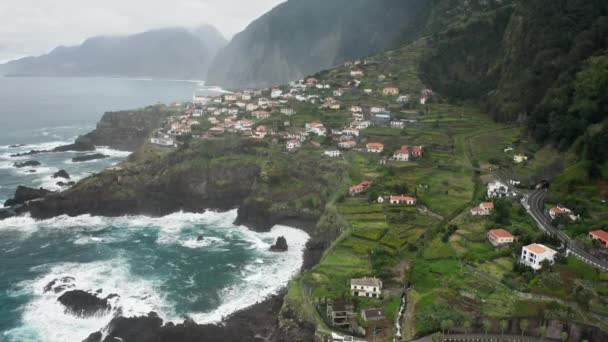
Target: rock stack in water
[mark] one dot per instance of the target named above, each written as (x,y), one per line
(83,304)
(280,245)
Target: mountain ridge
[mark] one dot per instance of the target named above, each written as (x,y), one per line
(172,52)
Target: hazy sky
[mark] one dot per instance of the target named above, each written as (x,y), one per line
(33,27)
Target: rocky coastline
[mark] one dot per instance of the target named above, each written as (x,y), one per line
(157,189)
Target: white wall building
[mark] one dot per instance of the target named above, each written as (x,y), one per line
(533,255)
(366,287)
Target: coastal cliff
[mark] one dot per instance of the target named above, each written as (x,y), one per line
(127,130)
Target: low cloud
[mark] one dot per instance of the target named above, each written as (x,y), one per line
(34,27)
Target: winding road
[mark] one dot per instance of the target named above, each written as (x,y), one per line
(534,202)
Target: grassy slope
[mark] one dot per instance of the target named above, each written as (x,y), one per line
(461,279)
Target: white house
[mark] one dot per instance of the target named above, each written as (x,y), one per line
(519,158)
(230,97)
(559,211)
(403,154)
(497,189)
(533,255)
(356,109)
(347,145)
(163,141)
(361,124)
(276,93)
(390,91)
(316,128)
(293,144)
(376,110)
(375,147)
(356,73)
(484,209)
(400,199)
(366,287)
(403,99)
(288,111)
(397,124)
(500,237)
(333,153)
(351,131)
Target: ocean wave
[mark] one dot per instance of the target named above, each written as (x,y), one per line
(45,317)
(263,277)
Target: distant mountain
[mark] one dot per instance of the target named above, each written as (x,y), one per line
(300,37)
(175,53)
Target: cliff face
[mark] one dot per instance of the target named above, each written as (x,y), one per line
(268,188)
(127,130)
(298,38)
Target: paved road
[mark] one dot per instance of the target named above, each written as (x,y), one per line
(484,338)
(534,202)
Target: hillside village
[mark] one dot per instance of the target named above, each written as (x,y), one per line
(433,238)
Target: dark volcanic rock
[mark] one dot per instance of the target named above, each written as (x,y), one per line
(16,145)
(89,157)
(94,337)
(59,285)
(61,174)
(81,145)
(28,163)
(30,153)
(64,184)
(257,323)
(83,304)
(200,238)
(24,194)
(280,245)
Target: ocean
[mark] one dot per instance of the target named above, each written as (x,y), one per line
(151,264)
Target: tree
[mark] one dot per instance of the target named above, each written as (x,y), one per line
(543,332)
(467,326)
(564,336)
(486,324)
(503,324)
(436,337)
(447,325)
(523,325)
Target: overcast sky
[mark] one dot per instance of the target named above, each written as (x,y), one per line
(34,27)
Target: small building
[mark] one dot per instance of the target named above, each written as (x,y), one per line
(403,99)
(500,237)
(356,109)
(601,236)
(366,287)
(533,255)
(162,141)
(359,188)
(333,153)
(293,144)
(276,93)
(339,314)
(375,314)
(519,158)
(316,128)
(375,110)
(374,147)
(401,199)
(390,91)
(288,111)
(335,106)
(484,209)
(497,189)
(402,154)
(397,124)
(260,114)
(559,210)
(357,73)
(347,145)
(231,97)
(351,131)
(368,90)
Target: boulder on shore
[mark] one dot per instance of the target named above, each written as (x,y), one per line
(83,304)
(29,163)
(61,174)
(66,184)
(89,157)
(280,245)
(24,194)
